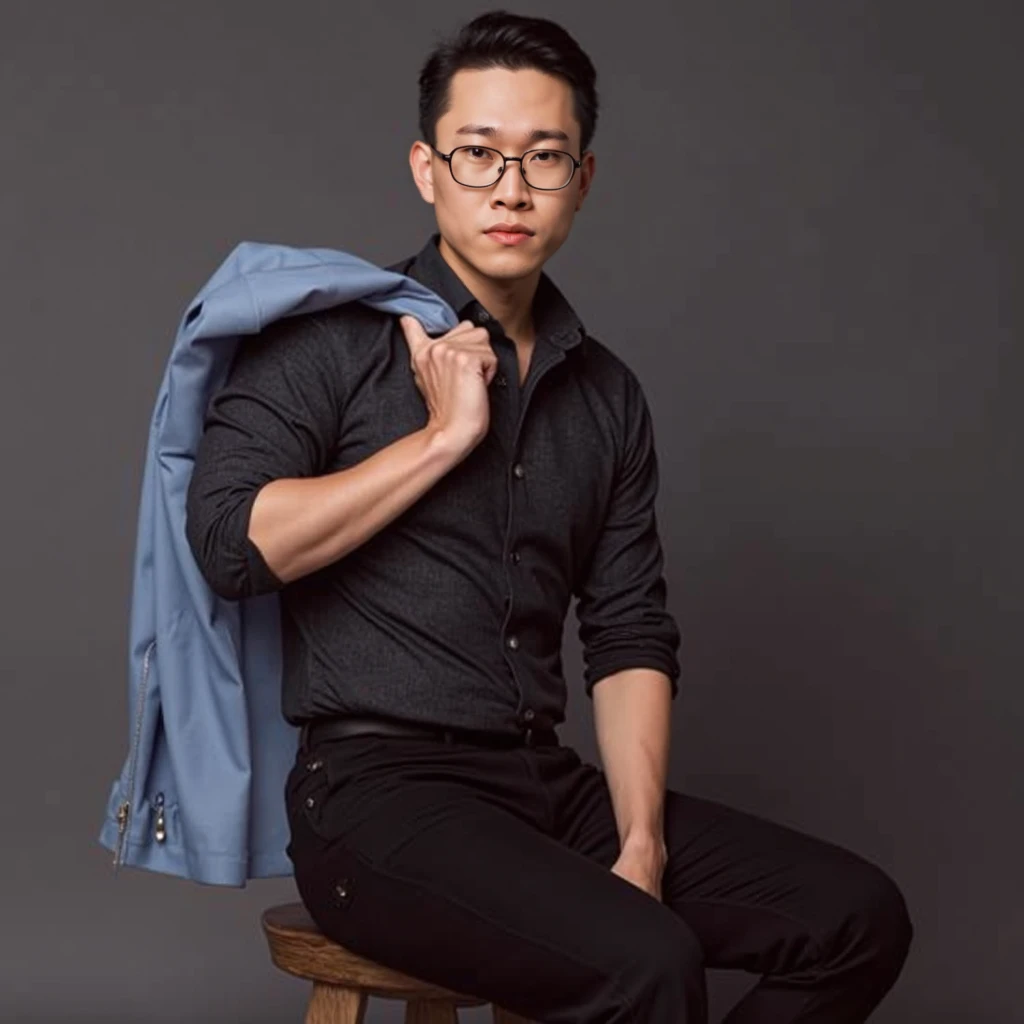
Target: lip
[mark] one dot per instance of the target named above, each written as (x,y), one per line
(509,234)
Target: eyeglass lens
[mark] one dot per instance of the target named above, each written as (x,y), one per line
(542,168)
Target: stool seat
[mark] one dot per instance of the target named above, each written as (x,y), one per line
(343,980)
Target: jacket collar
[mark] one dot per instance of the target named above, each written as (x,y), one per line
(556,321)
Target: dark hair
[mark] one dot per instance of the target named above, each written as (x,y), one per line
(499,39)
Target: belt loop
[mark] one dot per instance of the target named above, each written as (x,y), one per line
(529,737)
(304,736)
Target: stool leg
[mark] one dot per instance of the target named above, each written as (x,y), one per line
(430,1011)
(502,1016)
(332,1004)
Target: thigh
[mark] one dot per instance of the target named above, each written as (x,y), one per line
(426,868)
(759,895)
(763,896)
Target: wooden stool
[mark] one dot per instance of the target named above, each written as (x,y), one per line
(342,981)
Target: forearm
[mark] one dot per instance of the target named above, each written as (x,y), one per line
(632,721)
(300,525)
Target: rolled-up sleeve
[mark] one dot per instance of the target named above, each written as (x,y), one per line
(621,608)
(276,416)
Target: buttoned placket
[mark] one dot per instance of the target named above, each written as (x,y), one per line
(515,402)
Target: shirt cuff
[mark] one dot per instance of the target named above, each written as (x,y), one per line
(619,661)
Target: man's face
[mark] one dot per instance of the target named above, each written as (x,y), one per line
(503,110)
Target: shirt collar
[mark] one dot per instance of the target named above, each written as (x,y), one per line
(555,320)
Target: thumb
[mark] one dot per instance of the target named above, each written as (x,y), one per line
(413,330)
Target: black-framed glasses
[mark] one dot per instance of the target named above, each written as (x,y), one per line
(481,166)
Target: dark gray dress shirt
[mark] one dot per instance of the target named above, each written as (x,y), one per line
(453,613)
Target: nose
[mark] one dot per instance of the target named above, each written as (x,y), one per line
(511,189)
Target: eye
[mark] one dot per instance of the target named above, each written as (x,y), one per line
(547,156)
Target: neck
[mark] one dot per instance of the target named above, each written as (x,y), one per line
(509,302)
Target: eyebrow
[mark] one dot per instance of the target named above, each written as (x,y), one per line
(537,135)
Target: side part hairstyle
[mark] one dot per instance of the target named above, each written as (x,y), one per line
(499,39)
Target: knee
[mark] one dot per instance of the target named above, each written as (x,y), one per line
(874,919)
(888,917)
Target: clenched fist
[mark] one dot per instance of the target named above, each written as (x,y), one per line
(452,373)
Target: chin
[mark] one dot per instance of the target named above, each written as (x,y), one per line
(509,264)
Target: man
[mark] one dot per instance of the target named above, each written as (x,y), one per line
(427,507)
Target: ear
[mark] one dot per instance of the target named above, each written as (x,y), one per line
(421,164)
(586,172)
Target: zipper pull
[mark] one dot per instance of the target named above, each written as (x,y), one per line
(161,824)
(122,827)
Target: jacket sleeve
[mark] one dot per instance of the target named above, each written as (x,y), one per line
(277,415)
(623,618)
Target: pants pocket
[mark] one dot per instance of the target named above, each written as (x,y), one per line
(305,790)
(321,778)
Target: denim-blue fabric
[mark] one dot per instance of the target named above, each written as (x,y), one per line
(200,793)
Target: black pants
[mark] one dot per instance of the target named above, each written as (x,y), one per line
(487,871)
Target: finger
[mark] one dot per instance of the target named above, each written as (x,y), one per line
(468,336)
(414,333)
(461,328)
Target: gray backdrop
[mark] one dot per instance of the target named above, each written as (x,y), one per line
(799,237)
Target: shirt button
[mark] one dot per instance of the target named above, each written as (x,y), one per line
(528,714)
(513,642)
(500,380)
(483,316)
(518,470)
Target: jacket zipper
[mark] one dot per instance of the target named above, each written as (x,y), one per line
(124,810)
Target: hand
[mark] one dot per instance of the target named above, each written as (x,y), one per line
(643,864)
(452,373)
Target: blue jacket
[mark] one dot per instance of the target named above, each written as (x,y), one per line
(201,791)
